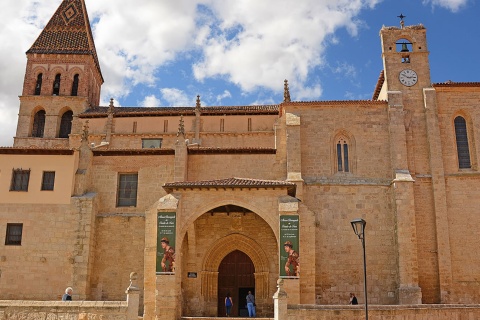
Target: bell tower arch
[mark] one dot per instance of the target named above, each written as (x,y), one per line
(405,57)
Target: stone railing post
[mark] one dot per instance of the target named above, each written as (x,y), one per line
(280,302)
(133,298)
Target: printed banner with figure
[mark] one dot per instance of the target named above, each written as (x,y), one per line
(166,229)
(289,242)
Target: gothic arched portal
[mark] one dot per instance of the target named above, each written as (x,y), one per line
(236,276)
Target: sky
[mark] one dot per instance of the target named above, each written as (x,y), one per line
(159,53)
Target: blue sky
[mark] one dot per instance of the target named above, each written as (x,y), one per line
(164,53)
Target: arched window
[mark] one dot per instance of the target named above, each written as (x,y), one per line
(342,155)
(75,85)
(38,124)
(38,85)
(463,151)
(56,85)
(66,124)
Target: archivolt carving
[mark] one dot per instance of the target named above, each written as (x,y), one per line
(233,242)
(220,249)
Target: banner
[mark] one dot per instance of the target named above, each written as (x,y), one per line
(289,246)
(166,230)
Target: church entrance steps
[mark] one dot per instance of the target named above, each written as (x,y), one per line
(217,318)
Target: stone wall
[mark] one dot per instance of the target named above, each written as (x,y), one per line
(56,310)
(391,312)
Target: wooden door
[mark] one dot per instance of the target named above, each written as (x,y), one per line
(236,272)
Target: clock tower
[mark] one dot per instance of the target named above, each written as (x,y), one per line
(405,77)
(405,58)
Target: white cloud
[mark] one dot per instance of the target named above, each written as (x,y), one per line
(150,102)
(176,97)
(133,38)
(252,44)
(452,5)
(225,94)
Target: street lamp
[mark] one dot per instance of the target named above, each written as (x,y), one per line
(358,226)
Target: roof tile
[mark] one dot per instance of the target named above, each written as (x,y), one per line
(67,32)
(232,183)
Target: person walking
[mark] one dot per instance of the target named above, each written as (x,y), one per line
(251,304)
(68,294)
(228,304)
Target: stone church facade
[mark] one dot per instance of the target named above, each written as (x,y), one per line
(83,188)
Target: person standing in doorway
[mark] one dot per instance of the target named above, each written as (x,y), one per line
(251,304)
(228,304)
(68,294)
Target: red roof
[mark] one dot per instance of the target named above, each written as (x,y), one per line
(67,32)
(232,183)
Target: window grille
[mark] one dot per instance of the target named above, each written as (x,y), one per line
(20,180)
(48,180)
(14,234)
(151,143)
(127,190)
(342,156)
(461,136)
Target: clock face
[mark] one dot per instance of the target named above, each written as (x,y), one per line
(408,77)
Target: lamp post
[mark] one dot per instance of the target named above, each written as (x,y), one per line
(358,226)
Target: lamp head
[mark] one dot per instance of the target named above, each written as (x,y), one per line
(358,226)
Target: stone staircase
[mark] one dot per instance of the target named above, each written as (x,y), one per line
(218,318)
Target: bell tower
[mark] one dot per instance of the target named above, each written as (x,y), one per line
(405,58)
(62,78)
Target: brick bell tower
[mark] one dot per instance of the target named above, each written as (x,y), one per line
(62,79)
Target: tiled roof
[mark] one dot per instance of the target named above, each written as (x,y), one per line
(36,151)
(456,84)
(378,87)
(133,152)
(245,150)
(98,112)
(232,183)
(336,102)
(67,32)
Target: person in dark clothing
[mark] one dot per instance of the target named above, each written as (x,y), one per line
(353,299)
(68,294)
(228,304)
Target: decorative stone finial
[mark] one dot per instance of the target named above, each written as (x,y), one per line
(85,132)
(132,287)
(111,106)
(198,105)
(286,92)
(181,127)
(280,293)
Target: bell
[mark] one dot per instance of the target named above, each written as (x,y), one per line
(56,85)
(404,47)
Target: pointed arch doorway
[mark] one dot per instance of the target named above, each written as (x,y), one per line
(236,277)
